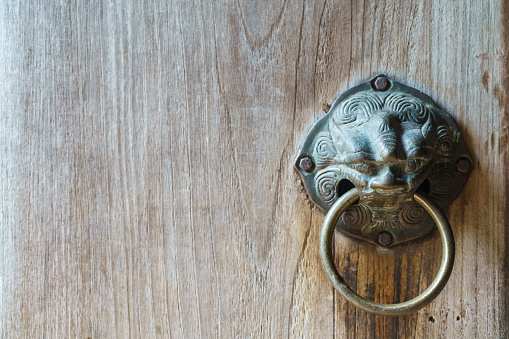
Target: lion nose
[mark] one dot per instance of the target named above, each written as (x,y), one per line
(384,139)
(386,180)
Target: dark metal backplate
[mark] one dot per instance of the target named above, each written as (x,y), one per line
(387,140)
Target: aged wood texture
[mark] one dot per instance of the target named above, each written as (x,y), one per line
(146,178)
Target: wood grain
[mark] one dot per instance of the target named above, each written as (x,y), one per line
(147,182)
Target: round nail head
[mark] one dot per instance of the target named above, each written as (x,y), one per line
(306,164)
(462,165)
(381,83)
(385,238)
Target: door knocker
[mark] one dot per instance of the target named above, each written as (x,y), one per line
(383,162)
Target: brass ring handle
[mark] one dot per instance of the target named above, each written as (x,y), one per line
(403,308)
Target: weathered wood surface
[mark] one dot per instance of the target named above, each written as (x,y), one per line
(146,177)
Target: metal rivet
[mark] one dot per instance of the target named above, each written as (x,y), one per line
(463,165)
(381,83)
(385,238)
(306,164)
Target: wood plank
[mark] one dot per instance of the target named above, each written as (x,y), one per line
(451,52)
(147,182)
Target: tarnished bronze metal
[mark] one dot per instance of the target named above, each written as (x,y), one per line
(340,206)
(369,160)
(387,140)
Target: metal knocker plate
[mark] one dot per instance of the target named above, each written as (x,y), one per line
(383,161)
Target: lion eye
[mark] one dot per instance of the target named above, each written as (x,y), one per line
(364,168)
(415,165)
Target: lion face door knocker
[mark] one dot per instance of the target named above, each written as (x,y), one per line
(383,162)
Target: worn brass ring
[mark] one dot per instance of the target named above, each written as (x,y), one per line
(370,306)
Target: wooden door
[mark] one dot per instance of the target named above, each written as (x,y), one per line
(147,181)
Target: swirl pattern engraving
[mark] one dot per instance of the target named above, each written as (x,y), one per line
(442,178)
(357,109)
(408,107)
(325,150)
(412,213)
(326,186)
(356,216)
(446,141)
